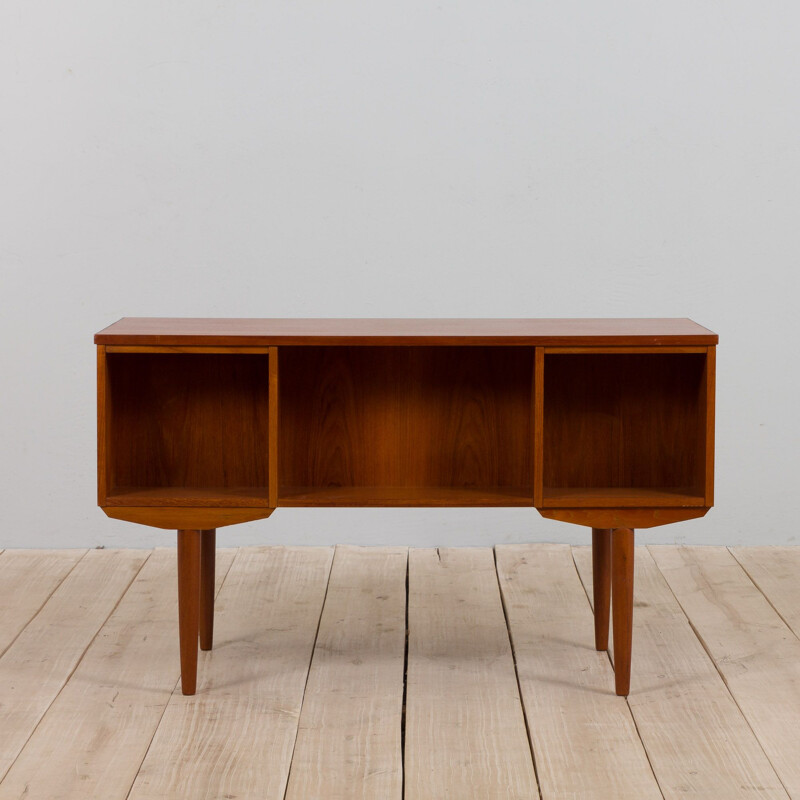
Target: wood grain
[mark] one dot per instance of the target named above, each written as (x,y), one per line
(208,587)
(753,648)
(349,738)
(622,606)
(623,517)
(584,738)
(618,351)
(274,426)
(398,496)
(172,518)
(622,497)
(601,577)
(538,426)
(776,572)
(104,443)
(124,348)
(465,731)
(189,605)
(708,401)
(187,497)
(27,579)
(197,331)
(183,421)
(236,735)
(36,666)
(698,743)
(92,739)
(621,421)
(410,417)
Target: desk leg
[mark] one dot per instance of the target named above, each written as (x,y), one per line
(208,544)
(188,605)
(601,582)
(622,605)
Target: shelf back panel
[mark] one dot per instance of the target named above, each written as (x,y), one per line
(405,417)
(624,421)
(188,420)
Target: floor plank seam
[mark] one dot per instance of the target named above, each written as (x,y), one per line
(516,672)
(46,600)
(77,663)
(174,688)
(308,673)
(611,661)
(644,747)
(722,676)
(763,593)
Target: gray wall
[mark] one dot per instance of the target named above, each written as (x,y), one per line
(395,159)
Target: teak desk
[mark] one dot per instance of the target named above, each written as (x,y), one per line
(209,422)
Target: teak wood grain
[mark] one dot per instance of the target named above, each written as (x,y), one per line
(172,518)
(185,421)
(623,421)
(438,418)
(270,332)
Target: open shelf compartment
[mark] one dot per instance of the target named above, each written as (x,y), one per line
(406,425)
(186,429)
(624,430)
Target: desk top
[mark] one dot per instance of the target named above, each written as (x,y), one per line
(542,332)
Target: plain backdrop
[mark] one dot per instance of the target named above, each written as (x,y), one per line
(440,159)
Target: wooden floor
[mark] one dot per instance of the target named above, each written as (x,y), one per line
(391,673)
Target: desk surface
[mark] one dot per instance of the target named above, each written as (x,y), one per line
(542,332)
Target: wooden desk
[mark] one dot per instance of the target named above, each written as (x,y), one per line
(209,422)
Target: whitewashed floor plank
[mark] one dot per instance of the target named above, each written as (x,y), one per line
(27,579)
(753,648)
(36,666)
(92,740)
(234,738)
(776,572)
(699,744)
(465,730)
(574,716)
(349,740)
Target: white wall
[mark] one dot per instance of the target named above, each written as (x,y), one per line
(573,158)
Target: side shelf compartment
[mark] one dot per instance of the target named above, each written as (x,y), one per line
(185,428)
(627,429)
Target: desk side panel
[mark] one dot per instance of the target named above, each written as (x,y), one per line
(103,400)
(273,427)
(709,388)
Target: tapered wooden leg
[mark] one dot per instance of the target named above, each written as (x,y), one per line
(622,605)
(188,605)
(208,544)
(601,581)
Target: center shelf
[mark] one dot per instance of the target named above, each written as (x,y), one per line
(405,426)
